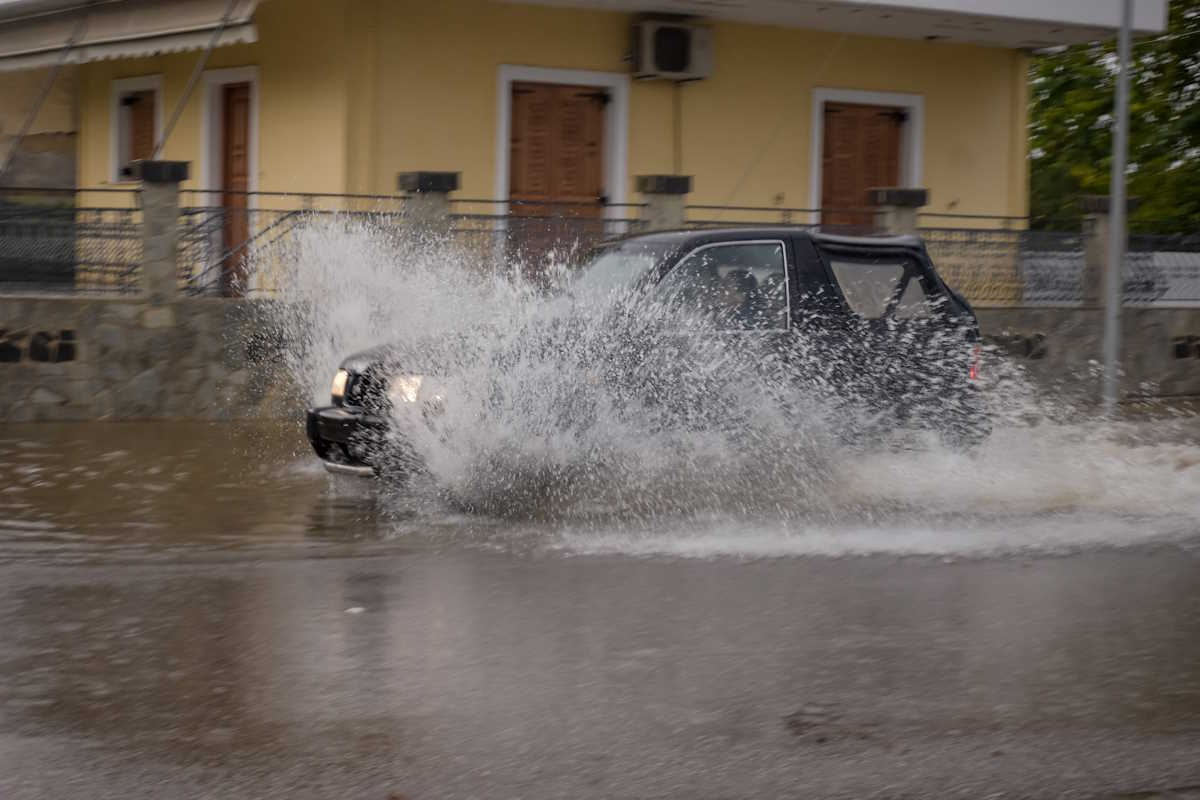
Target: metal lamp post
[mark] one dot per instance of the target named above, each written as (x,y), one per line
(1118,236)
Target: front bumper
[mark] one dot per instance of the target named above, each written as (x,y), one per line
(347,441)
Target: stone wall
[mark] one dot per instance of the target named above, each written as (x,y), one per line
(79,358)
(1062,347)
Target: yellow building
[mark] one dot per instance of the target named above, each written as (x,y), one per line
(805,104)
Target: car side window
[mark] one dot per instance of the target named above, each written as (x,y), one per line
(914,302)
(868,286)
(737,286)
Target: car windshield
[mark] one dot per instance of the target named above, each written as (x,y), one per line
(619,267)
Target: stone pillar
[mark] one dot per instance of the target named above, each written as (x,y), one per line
(427,204)
(160,227)
(1096,221)
(896,208)
(666,196)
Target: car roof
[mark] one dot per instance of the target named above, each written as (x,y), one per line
(682,237)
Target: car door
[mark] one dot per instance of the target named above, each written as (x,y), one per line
(739,287)
(727,303)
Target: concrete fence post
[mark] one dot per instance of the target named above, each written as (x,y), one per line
(427,204)
(160,227)
(666,200)
(1097,224)
(896,208)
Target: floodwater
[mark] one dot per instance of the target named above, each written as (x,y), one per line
(199,611)
(637,607)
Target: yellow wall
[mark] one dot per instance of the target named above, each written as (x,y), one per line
(302,100)
(353,92)
(19,91)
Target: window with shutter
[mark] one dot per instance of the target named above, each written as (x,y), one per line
(862,151)
(556,166)
(135,123)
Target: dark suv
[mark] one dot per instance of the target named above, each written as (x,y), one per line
(870,312)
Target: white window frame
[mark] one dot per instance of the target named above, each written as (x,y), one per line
(616,125)
(911,140)
(212,123)
(118,89)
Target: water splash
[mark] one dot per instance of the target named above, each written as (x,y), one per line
(547,416)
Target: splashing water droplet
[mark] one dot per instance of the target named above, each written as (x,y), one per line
(596,409)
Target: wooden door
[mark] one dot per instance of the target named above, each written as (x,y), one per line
(235,182)
(862,151)
(556,164)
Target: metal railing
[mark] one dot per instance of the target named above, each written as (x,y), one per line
(502,235)
(220,247)
(1163,270)
(70,240)
(999,267)
(234,243)
(714,216)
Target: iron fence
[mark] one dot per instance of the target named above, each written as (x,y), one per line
(523,236)
(232,251)
(1163,270)
(714,216)
(1005,267)
(49,242)
(320,202)
(234,243)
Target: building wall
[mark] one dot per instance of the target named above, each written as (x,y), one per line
(19,91)
(746,130)
(356,91)
(302,100)
(46,156)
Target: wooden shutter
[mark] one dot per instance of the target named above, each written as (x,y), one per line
(578,170)
(141,124)
(556,166)
(862,151)
(532,145)
(557,147)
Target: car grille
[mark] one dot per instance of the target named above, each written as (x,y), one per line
(366,391)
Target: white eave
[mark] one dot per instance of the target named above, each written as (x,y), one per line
(1026,24)
(35,34)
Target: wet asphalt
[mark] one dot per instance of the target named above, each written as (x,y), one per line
(175,624)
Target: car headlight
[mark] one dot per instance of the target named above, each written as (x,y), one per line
(338,389)
(405,388)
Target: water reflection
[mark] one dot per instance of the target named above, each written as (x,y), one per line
(485,672)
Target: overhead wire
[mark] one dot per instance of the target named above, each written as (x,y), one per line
(779,124)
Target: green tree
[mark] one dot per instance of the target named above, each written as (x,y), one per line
(1071,128)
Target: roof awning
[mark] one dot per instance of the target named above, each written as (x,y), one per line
(122,29)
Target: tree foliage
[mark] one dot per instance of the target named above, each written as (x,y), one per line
(1071,128)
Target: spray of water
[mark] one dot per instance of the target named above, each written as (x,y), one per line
(647,438)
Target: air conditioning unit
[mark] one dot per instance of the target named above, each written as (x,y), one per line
(671,50)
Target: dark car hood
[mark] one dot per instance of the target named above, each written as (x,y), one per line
(426,355)
(445,355)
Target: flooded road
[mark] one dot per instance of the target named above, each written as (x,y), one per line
(199,611)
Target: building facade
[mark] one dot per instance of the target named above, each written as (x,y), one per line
(806,104)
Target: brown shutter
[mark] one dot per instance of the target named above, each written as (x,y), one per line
(556,157)
(141,125)
(532,145)
(862,151)
(557,146)
(579,141)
